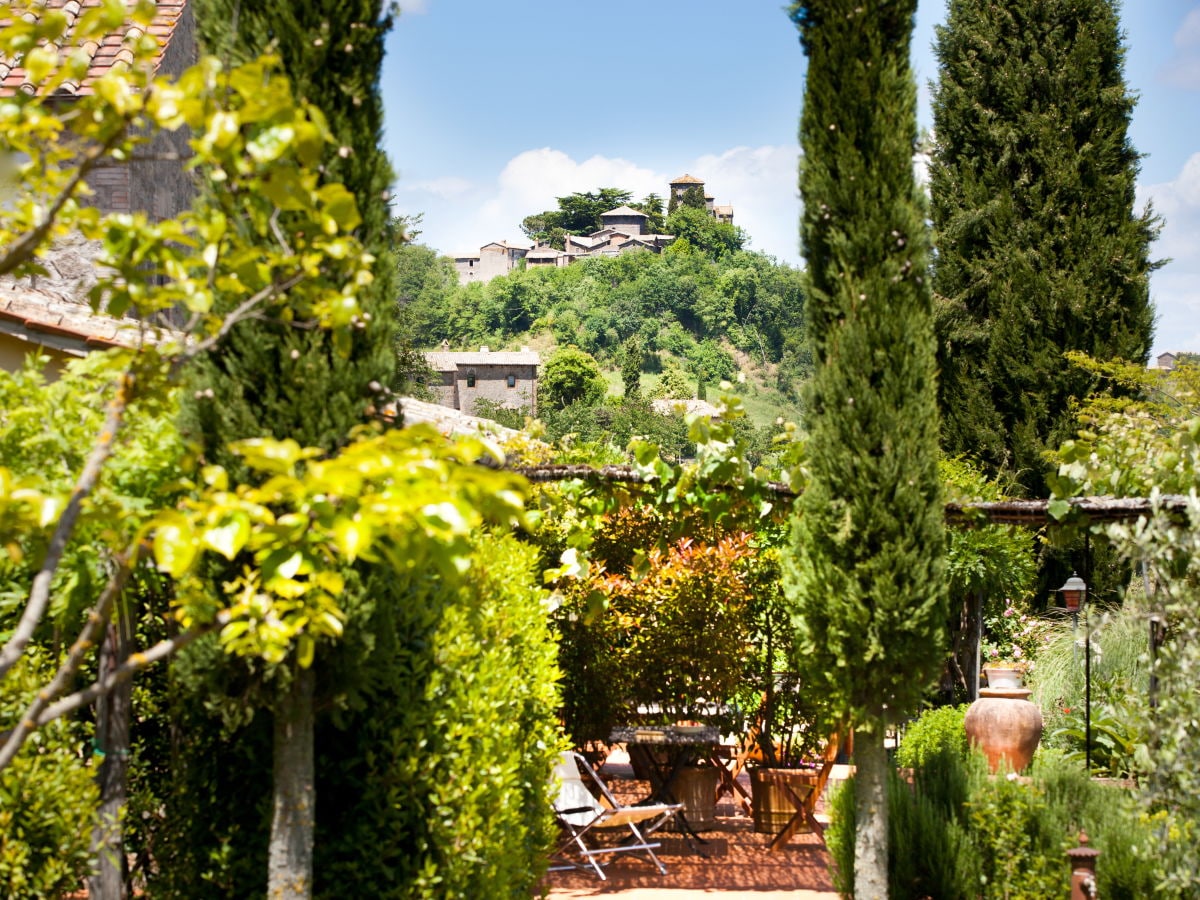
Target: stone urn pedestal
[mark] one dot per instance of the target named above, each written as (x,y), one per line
(1006,726)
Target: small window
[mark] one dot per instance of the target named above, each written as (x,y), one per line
(512,380)
(470,379)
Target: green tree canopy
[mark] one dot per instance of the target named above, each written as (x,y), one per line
(696,229)
(571,376)
(1040,248)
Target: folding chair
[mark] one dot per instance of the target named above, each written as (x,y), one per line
(804,819)
(580,813)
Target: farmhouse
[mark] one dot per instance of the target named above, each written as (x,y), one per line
(506,378)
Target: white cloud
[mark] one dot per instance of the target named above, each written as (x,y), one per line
(1183,69)
(415,7)
(1176,286)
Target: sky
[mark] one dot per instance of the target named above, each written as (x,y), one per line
(494,109)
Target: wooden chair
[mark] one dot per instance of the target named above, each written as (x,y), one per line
(804,819)
(730,759)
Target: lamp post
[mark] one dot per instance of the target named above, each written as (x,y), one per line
(1074,592)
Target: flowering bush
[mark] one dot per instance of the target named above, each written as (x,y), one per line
(1010,635)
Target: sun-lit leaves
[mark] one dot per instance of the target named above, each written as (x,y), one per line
(410,498)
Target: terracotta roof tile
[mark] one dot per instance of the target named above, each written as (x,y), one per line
(687,179)
(27,314)
(103,56)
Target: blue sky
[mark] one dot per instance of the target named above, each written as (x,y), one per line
(494,109)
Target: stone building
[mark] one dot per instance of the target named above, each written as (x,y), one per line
(494,259)
(622,229)
(681,185)
(155,181)
(507,378)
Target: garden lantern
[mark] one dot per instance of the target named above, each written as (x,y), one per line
(1073,591)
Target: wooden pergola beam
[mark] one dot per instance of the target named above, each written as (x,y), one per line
(1028,513)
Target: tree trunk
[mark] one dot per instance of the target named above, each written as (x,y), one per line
(113,713)
(871,814)
(289,872)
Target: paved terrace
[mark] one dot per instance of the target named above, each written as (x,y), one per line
(738,863)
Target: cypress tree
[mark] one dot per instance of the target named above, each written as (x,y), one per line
(285,379)
(272,378)
(866,571)
(1040,249)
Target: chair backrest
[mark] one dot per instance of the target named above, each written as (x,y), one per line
(828,758)
(573,794)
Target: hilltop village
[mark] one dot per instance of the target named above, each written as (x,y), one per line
(623,229)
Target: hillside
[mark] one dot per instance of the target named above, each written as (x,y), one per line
(710,318)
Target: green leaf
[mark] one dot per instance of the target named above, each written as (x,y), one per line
(351,536)
(1058,509)
(174,544)
(230,537)
(339,204)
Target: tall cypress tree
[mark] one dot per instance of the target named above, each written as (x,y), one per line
(1040,249)
(866,572)
(289,379)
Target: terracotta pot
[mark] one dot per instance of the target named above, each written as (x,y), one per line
(772,806)
(1006,726)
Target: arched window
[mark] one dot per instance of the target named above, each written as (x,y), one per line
(470,379)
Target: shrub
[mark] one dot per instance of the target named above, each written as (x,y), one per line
(47,800)
(934,730)
(958,832)
(432,771)
(447,791)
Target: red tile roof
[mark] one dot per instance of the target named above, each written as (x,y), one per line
(687,179)
(104,55)
(31,315)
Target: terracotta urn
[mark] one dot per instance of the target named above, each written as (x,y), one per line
(1006,726)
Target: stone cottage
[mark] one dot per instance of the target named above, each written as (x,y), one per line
(155,181)
(506,378)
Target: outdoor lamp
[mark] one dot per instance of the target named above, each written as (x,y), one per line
(1073,591)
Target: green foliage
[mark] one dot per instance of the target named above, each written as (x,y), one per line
(632,358)
(697,230)
(1149,446)
(866,573)
(672,633)
(585,523)
(931,853)
(1120,683)
(47,800)
(935,731)
(571,376)
(671,302)
(447,779)
(613,425)
(673,384)
(957,833)
(1040,250)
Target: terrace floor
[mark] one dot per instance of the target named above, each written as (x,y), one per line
(737,861)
